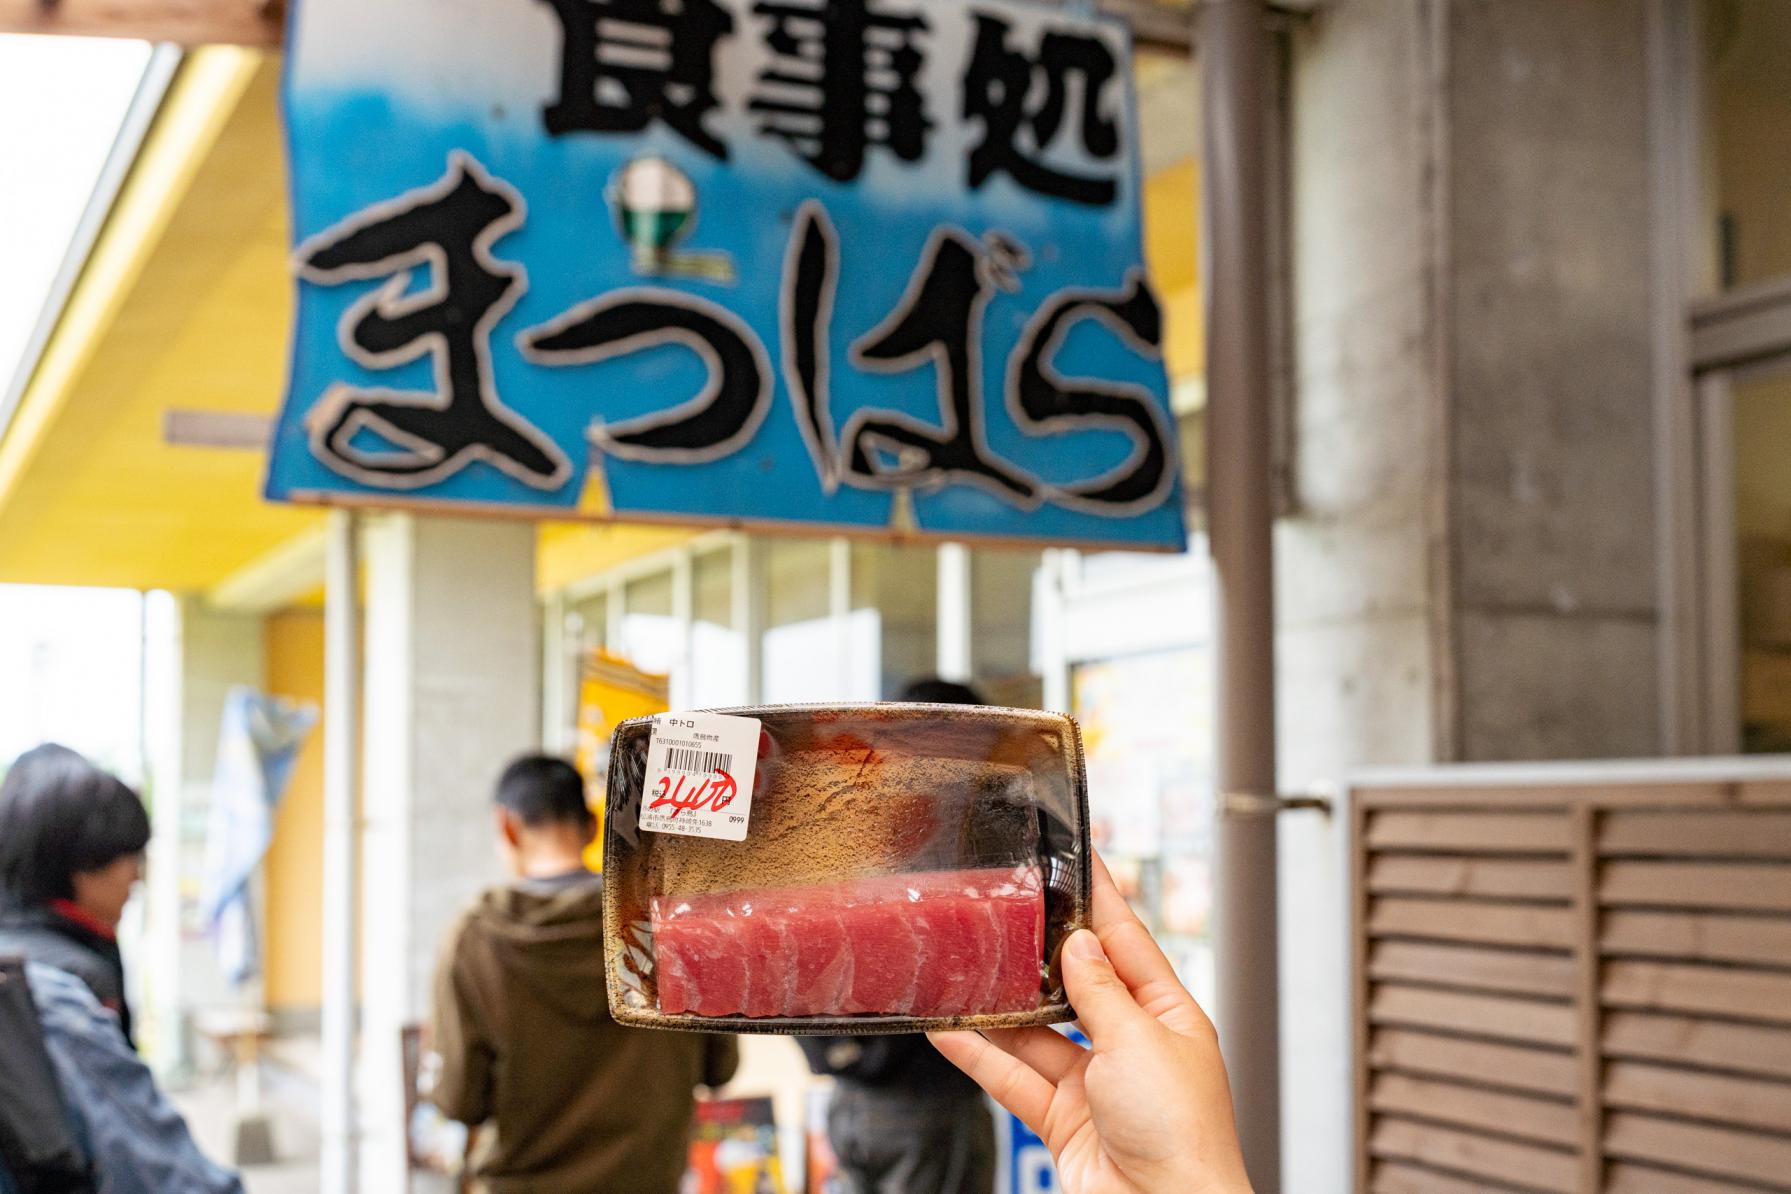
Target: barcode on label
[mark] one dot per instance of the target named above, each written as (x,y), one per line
(698,762)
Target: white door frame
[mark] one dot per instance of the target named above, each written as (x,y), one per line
(1703,347)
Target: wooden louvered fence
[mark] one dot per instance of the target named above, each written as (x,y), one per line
(1574,985)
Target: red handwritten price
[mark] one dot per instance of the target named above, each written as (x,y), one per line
(713,793)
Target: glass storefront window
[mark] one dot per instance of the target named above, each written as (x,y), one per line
(1001,602)
(718,663)
(587,624)
(1762,422)
(1747,105)
(896,588)
(651,637)
(1150,783)
(802,646)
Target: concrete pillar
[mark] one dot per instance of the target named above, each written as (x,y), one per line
(200,655)
(452,683)
(1358,677)
(1466,569)
(1548,370)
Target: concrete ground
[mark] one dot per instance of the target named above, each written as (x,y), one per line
(289,1096)
(769,1065)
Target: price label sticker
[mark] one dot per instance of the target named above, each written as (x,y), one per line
(700,769)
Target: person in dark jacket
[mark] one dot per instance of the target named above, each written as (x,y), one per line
(135,1140)
(71,852)
(903,1119)
(573,1100)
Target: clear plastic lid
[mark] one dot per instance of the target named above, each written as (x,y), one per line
(899,867)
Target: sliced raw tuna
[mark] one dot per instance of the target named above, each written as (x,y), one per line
(960,937)
(767,959)
(823,972)
(1019,907)
(933,943)
(709,967)
(975,958)
(677,994)
(886,956)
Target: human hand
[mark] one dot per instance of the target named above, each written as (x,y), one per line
(1147,1110)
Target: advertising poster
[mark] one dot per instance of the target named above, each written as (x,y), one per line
(822,1164)
(610,691)
(733,1149)
(1024,1163)
(1147,730)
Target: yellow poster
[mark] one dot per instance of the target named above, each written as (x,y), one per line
(610,691)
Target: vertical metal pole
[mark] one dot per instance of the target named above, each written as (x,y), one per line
(750,595)
(341,818)
(559,684)
(145,756)
(1234,66)
(168,704)
(839,608)
(954,661)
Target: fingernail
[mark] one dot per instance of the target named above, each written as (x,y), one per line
(1087,946)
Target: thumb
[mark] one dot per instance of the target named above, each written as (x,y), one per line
(1102,1002)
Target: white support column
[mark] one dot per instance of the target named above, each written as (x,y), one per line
(1050,644)
(679,687)
(839,605)
(612,614)
(163,699)
(341,841)
(452,693)
(955,662)
(749,610)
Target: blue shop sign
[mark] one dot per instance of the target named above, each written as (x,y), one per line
(1024,1164)
(868,265)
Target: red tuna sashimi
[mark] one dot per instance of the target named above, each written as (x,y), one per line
(765,941)
(982,972)
(823,978)
(797,954)
(1019,908)
(886,957)
(994,917)
(925,944)
(677,989)
(961,942)
(706,959)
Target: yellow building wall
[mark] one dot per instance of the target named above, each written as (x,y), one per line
(1172,251)
(294,866)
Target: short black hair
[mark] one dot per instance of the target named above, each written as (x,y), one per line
(59,816)
(541,789)
(934,691)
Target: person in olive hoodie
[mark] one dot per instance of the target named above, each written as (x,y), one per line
(569,1099)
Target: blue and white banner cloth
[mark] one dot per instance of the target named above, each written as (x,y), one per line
(258,742)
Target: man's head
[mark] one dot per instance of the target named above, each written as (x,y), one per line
(543,822)
(69,831)
(934,691)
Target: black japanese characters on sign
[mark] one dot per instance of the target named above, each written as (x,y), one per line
(938,321)
(863,264)
(448,228)
(719,420)
(843,79)
(998,89)
(627,63)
